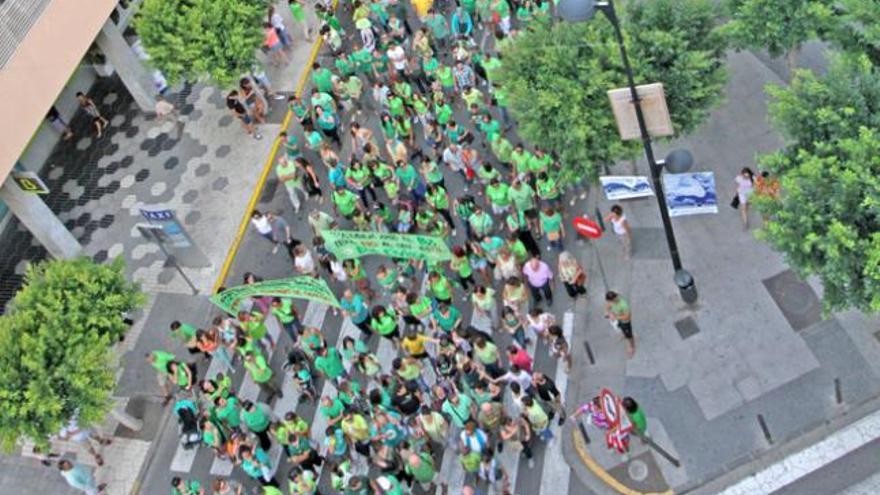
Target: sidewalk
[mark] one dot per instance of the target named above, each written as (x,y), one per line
(207,176)
(753,346)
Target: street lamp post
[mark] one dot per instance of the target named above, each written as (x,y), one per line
(676,161)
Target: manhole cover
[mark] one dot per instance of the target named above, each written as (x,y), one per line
(638,470)
(797,298)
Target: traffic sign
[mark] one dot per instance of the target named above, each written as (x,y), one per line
(30,182)
(587,228)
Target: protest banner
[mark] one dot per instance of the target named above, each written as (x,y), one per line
(309,288)
(347,244)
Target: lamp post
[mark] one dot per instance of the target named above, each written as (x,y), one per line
(676,161)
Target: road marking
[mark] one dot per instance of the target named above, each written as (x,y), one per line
(451,473)
(556,472)
(319,422)
(183,458)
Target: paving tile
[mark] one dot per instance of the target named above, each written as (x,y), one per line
(795,298)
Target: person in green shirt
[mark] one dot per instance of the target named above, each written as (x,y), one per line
(446,318)
(421,467)
(441,288)
(636,415)
(419,308)
(322,78)
(496,192)
(287,315)
(431,172)
(490,127)
(547,189)
(185,334)
(523,197)
(443,113)
(438,199)
(439,27)
(539,163)
(262,374)
(346,202)
(384,322)
(481,223)
(552,227)
(446,78)
(502,149)
(290,175)
(329,363)
(227,410)
(257,417)
(159,360)
(520,159)
(618,312)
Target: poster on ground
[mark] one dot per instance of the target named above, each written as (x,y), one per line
(309,288)
(692,193)
(347,244)
(618,187)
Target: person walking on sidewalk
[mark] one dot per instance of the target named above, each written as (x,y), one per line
(88,106)
(618,313)
(79,477)
(636,415)
(621,228)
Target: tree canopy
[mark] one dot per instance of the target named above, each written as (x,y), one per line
(825,221)
(215,40)
(780,26)
(556,76)
(55,358)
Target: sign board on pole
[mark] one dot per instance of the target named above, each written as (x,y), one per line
(30,182)
(175,238)
(653,107)
(691,193)
(617,187)
(587,228)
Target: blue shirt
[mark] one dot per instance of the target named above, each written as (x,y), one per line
(356,307)
(337,176)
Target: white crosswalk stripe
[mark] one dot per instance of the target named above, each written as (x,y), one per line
(556,472)
(319,422)
(183,459)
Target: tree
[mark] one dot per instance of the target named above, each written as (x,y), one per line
(55,347)
(556,77)
(814,109)
(780,26)
(858,27)
(202,39)
(827,220)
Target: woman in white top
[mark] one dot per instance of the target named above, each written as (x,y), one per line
(621,228)
(745,185)
(304,262)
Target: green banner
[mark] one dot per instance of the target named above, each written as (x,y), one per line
(313,289)
(346,244)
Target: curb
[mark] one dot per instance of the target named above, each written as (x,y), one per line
(602,474)
(267,167)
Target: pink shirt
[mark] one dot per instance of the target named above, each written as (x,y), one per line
(537,277)
(522,359)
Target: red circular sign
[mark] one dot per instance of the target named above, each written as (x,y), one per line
(587,228)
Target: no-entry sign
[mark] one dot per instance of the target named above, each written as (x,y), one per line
(587,228)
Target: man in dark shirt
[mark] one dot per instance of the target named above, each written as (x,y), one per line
(549,394)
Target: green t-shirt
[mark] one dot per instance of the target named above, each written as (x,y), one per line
(331,364)
(488,354)
(439,199)
(444,74)
(424,472)
(334,411)
(442,289)
(323,80)
(497,194)
(259,370)
(385,324)
(185,332)
(552,223)
(256,420)
(447,323)
(230,414)
(620,306)
(408,175)
(523,198)
(639,421)
(161,360)
(547,189)
(288,168)
(346,201)
(444,113)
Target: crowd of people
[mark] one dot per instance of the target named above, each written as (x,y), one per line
(403,129)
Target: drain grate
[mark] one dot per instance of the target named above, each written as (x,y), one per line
(687,327)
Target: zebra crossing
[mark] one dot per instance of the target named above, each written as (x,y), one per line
(554,471)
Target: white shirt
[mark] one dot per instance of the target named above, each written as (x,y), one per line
(262,225)
(397,57)
(617,224)
(277,21)
(305,263)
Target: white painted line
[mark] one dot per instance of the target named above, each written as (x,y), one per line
(451,473)
(811,458)
(556,472)
(315,314)
(183,459)
(385,354)
(319,422)
(216,366)
(291,397)
(221,467)
(274,327)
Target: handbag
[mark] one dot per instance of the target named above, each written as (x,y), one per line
(734,203)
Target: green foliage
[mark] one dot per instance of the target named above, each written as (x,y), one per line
(55,347)
(826,220)
(780,26)
(815,110)
(202,39)
(857,29)
(556,76)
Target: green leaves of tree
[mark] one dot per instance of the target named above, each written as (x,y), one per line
(827,219)
(557,75)
(202,39)
(780,26)
(55,347)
